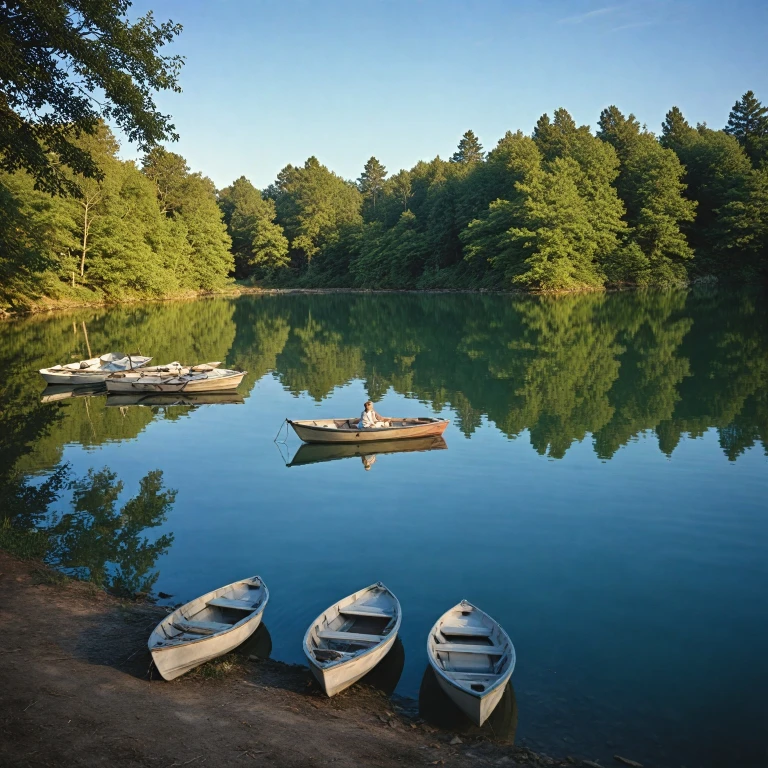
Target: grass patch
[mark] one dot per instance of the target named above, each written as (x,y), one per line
(218,669)
(43,575)
(27,545)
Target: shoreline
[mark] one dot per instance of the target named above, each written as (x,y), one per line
(79,689)
(50,306)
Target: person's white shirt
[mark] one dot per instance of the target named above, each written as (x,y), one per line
(368,419)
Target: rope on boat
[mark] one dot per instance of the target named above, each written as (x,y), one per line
(284,424)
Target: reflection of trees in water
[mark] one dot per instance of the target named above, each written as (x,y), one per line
(106,544)
(561,368)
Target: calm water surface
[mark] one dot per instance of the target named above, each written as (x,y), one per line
(602,493)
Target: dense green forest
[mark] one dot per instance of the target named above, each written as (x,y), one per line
(562,209)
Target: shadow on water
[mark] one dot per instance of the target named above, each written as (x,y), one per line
(386,674)
(437,709)
(259,644)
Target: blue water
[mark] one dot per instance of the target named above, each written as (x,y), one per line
(602,494)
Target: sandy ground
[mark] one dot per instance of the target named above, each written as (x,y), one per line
(77,689)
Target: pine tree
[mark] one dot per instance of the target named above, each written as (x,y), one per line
(470,150)
(748,122)
(619,131)
(371,181)
(675,130)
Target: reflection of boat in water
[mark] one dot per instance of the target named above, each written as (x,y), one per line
(473,659)
(440,711)
(258,644)
(314,453)
(167,398)
(55,392)
(347,430)
(386,674)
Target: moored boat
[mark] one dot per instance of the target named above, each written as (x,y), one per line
(175,378)
(473,659)
(92,371)
(347,430)
(351,637)
(208,627)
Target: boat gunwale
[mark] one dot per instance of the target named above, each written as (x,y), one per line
(361,654)
(433,649)
(221,633)
(304,424)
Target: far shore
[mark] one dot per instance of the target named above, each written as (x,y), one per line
(47,305)
(79,689)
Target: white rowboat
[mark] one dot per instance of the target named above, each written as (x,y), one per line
(347,431)
(473,659)
(92,371)
(175,379)
(349,639)
(208,627)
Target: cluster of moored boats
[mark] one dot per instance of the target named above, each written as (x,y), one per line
(130,374)
(472,656)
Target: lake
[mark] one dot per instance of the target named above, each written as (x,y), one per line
(602,491)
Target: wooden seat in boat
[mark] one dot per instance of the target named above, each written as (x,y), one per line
(466,631)
(200,627)
(225,602)
(488,650)
(349,637)
(374,613)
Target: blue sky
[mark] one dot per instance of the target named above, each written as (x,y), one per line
(271,82)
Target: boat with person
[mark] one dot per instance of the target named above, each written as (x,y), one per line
(349,431)
(95,370)
(208,626)
(473,659)
(176,378)
(350,638)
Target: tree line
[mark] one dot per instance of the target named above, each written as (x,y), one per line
(561,209)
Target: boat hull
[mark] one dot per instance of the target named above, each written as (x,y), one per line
(78,377)
(195,386)
(176,661)
(477,708)
(336,679)
(310,433)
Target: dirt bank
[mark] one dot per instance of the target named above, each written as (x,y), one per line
(77,689)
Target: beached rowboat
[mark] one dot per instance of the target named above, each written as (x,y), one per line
(175,378)
(208,627)
(92,371)
(349,639)
(473,659)
(347,431)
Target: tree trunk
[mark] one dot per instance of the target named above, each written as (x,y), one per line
(86,225)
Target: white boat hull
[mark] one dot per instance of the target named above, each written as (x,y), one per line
(208,627)
(202,385)
(174,662)
(74,380)
(97,372)
(375,609)
(337,679)
(477,708)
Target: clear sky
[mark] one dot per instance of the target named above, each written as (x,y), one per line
(271,82)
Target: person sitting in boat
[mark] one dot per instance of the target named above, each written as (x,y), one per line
(369,419)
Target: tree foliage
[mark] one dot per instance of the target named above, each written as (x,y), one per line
(66,66)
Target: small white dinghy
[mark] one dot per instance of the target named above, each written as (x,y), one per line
(473,659)
(350,638)
(92,371)
(208,627)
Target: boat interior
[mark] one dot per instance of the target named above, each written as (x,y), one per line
(470,648)
(353,625)
(352,424)
(212,613)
